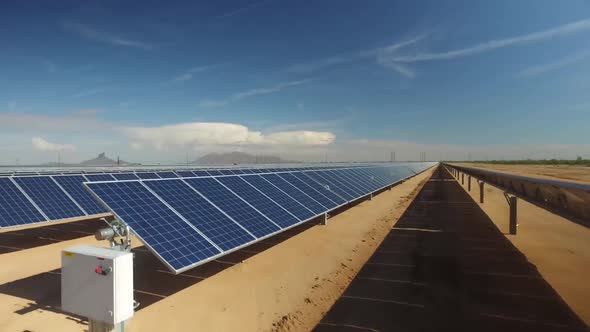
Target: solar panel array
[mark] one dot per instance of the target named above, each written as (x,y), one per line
(189,221)
(28,197)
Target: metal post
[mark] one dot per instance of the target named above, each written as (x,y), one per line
(512,203)
(481,191)
(462,178)
(371,197)
(325,220)
(97,326)
(468,182)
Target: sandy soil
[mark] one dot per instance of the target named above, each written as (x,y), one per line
(285,288)
(559,248)
(579,174)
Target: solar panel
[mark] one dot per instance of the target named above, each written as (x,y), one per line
(146,176)
(367,182)
(297,194)
(259,201)
(313,189)
(329,185)
(15,208)
(162,230)
(213,172)
(72,184)
(348,186)
(233,206)
(369,176)
(238,171)
(217,226)
(50,198)
(247,171)
(185,174)
(354,183)
(226,172)
(370,180)
(201,173)
(284,200)
(125,176)
(167,175)
(354,186)
(99,177)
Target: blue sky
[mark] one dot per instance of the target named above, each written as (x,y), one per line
(152,81)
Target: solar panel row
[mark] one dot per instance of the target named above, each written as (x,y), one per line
(216,171)
(57,197)
(189,221)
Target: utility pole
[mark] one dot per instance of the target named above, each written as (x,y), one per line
(187,159)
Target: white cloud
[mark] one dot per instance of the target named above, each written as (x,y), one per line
(100,36)
(196,134)
(251,93)
(562,30)
(558,64)
(44,145)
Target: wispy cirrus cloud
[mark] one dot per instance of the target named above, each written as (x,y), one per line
(189,73)
(559,31)
(251,93)
(243,9)
(105,37)
(341,59)
(555,65)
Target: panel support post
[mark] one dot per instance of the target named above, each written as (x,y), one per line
(371,196)
(325,220)
(97,326)
(481,183)
(462,178)
(468,182)
(512,203)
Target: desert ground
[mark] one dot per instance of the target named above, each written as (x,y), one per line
(287,285)
(578,174)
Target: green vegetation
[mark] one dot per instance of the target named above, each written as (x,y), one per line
(576,162)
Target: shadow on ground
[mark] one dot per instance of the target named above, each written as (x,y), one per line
(446,267)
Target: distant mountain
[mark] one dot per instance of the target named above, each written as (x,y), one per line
(238,158)
(102,160)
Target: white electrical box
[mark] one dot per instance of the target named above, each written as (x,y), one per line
(97,283)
